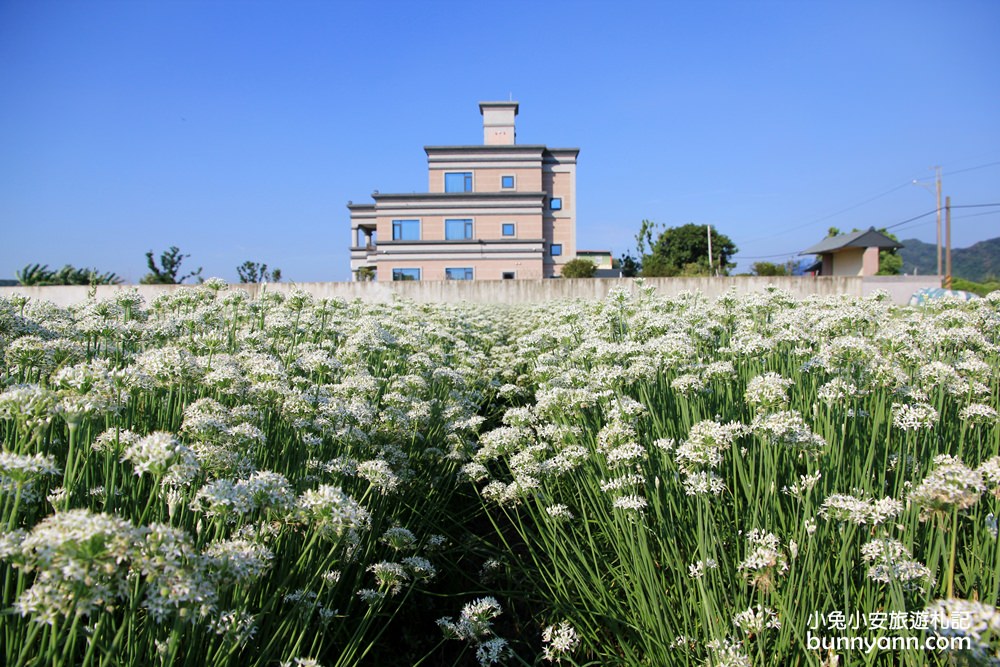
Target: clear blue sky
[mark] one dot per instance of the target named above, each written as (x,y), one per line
(239,130)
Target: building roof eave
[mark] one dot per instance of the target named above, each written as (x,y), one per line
(867,238)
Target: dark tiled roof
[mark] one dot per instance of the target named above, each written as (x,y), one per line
(867,238)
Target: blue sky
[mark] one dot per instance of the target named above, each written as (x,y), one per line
(240,130)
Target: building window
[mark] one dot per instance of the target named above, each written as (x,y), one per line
(555,249)
(508,275)
(405,230)
(460,181)
(458,274)
(507,182)
(555,203)
(455,230)
(406,274)
(508,229)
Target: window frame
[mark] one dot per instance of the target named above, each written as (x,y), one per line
(513,182)
(407,268)
(552,249)
(513,226)
(468,183)
(468,229)
(400,221)
(470,271)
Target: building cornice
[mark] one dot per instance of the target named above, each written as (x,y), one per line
(487,148)
(466,242)
(457,196)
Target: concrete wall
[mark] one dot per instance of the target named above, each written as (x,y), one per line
(524,291)
(901,288)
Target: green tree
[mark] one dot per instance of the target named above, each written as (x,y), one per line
(630,265)
(684,251)
(253,272)
(40,274)
(35,274)
(579,268)
(170,266)
(890,263)
(769,269)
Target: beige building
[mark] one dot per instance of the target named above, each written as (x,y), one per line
(491,212)
(854,254)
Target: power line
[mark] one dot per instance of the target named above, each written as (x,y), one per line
(832,215)
(887,227)
(781,254)
(982,166)
(954,217)
(933,211)
(866,201)
(917,217)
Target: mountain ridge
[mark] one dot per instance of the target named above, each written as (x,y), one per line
(978,262)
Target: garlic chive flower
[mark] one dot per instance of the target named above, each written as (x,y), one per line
(559,641)
(20,473)
(950,485)
(767,392)
(891,561)
(80,560)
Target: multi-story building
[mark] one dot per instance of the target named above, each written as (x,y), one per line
(496,211)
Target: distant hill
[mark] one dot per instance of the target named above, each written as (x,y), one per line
(8,283)
(977,262)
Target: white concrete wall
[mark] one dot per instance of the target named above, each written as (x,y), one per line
(901,288)
(522,291)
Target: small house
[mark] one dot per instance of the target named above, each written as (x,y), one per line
(854,254)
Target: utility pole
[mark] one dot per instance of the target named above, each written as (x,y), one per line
(937,179)
(947,236)
(938,174)
(709,249)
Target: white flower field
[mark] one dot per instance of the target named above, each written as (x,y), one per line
(753,480)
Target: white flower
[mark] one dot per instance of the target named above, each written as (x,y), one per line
(764,559)
(754,621)
(697,570)
(703,483)
(767,391)
(559,512)
(977,621)
(399,538)
(161,455)
(727,653)
(848,509)
(788,428)
(391,577)
(631,503)
(949,485)
(80,563)
(619,483)
(331,511)
(20,473)
(559,641)
(913,417)
(236,561)
(419,567)
(491,651)
(379,474)
(891,561)
(474,622)
(978,413)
